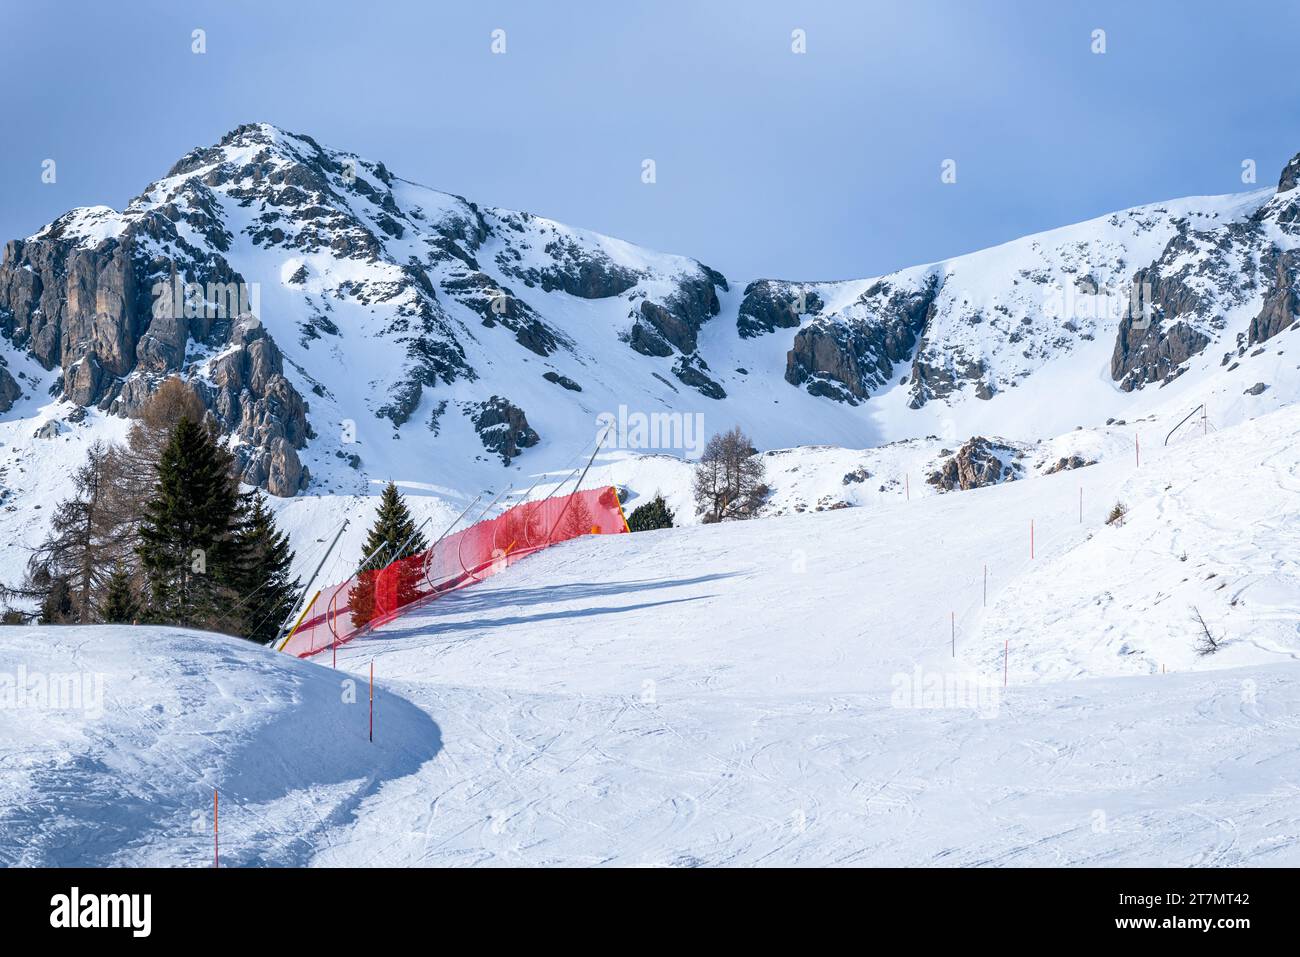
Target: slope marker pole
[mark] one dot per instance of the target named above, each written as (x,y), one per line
(1080,504)
(907,487)
(1006,653)
(216,855)
(372,700)
(986,584)
(1137,449)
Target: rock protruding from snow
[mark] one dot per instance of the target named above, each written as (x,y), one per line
(978,463)
(503,428)
(10,390)
(852,354)
(769,305)
(1067,463)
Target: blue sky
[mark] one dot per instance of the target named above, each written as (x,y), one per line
(816,166)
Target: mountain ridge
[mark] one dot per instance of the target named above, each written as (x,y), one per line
(387,311)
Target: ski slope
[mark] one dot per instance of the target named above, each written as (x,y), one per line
(783,691)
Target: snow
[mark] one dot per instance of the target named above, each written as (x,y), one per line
(822,686)
(123,770)
(751,693)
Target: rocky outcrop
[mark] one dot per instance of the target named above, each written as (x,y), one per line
(679,317)
(1279,309)
(939,372)
(563,381)
(502,427)
(10,390)
(693,371)
(1154,353)
(849,358)
(118,318)
(498,305)
(769,305)
(1290,175)
(570,266)
(252,399)
(1179,303)
(978,463)
(1067,462)
(65,303)
(1152,342)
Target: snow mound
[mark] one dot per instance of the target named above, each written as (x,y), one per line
(115,737)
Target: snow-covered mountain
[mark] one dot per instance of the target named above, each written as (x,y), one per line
(350,325)
(807,689)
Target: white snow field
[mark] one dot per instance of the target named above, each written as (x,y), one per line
(782,691)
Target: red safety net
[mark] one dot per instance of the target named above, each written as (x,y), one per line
(374,596)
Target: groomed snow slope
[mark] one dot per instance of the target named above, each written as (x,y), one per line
(763,693)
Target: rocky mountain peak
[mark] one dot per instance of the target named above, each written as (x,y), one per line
(1290,175)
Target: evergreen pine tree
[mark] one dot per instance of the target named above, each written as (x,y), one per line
(119,604)
(393,536)
(653,514)
(188,537)
(265,559)
(394,529)
(56,608)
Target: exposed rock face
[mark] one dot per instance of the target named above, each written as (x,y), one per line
(1290,175)
(693,371)
(570,267)
(1179,302)
(1154,353)
(770,305)
(116,318)
(498,304)
(1201,276)
(65,303)
(1068,462)
(1279,310)
(562,380)
(679,318)
(502,427)
(850,358)
(1257,389)
(938,372)
(661,324)
(978,463)
(10,390)
(253,400)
